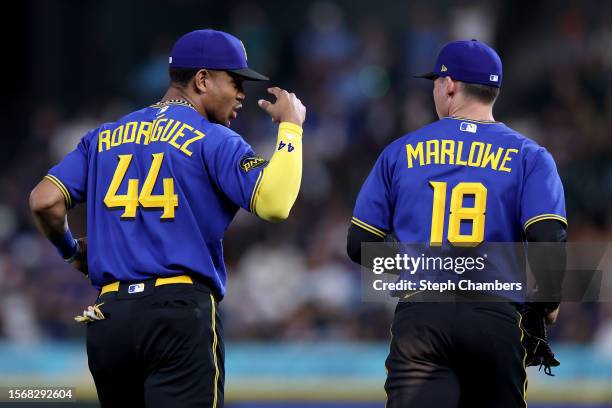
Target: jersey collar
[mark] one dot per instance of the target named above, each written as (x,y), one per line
(472,120)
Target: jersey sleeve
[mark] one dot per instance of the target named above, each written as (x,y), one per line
(373,210)
(543,197)
(236,170)
(70,174)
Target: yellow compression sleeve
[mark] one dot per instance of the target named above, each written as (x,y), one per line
(279,182)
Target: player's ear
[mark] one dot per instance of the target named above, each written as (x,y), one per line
(201,80)
(451,86)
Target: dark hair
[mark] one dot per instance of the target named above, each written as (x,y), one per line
(182,76)
(482,93)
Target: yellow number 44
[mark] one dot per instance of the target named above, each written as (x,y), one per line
(131,200)
(458,213)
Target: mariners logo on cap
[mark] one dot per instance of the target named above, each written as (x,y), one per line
(443,69)
(245,54)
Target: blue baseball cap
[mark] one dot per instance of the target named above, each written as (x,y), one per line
(468,61)
(213,49)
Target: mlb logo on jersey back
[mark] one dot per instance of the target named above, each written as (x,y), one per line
(468,127)
(136,288)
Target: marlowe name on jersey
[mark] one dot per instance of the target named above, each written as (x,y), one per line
(474,154)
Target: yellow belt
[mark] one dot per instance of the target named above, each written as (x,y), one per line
(114,287)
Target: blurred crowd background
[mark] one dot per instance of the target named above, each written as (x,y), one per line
(351,63)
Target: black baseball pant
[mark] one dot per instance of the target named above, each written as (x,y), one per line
(162,348)
(456,355)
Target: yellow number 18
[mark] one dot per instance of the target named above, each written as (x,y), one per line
(458,213)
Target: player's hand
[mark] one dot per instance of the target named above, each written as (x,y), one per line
(287,108)
(551,316)
(80,261)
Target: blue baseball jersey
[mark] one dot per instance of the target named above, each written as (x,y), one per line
(495,181)
(460,183)
(162,185)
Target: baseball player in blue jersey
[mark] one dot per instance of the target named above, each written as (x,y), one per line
(462,181)
(162,184)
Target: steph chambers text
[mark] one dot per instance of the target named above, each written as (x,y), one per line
(462,285)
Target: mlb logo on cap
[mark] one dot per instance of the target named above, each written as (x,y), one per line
(468,61)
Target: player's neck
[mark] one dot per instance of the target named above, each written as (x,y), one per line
(474,111)
(174,93)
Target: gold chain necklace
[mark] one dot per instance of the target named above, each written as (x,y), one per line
(178,102)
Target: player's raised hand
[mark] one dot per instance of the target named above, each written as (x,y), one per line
(287,108)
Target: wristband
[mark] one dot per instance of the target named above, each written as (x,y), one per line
(76,253)
(66,245)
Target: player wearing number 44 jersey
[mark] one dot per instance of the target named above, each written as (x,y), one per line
(461,181)
(162,185)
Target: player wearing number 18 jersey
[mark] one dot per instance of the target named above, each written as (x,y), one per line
(461,181)
(430,174)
